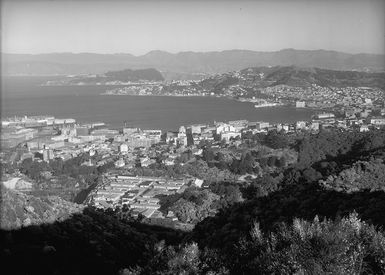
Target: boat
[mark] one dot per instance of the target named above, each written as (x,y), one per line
(267,104)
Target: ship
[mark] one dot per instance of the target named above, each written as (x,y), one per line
(267,104)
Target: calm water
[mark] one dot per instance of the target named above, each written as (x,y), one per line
(24,96)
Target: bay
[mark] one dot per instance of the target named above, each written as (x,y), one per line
(25,96)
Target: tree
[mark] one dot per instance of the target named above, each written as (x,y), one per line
(185,156)
(280,162)
(247,163)
(327,247)
(276,140)
(208,155)
(193,205)
(260,187)
(229,193)
(185,210)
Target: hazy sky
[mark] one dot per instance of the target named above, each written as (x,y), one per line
(140,26)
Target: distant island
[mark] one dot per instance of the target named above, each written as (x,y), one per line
(122,77)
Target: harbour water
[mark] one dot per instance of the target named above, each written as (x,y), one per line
(25,96)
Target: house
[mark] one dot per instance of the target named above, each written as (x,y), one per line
(198,182)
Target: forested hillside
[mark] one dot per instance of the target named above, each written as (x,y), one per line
(322,213)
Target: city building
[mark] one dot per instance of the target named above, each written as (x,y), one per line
(129,131)
(228,135)
(108,133)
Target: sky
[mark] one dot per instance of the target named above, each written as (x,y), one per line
(137,27)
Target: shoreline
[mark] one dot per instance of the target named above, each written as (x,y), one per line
(252,101)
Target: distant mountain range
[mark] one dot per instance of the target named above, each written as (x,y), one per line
(185,65)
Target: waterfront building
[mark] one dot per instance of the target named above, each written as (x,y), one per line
(105,132)
(129,131)
(33,121)
(63,122)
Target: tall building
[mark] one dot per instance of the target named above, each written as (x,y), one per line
(182,130)
(196,129)
(45,155)
(51,154)
(182,137)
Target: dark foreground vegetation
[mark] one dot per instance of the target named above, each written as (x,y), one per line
(325,214)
